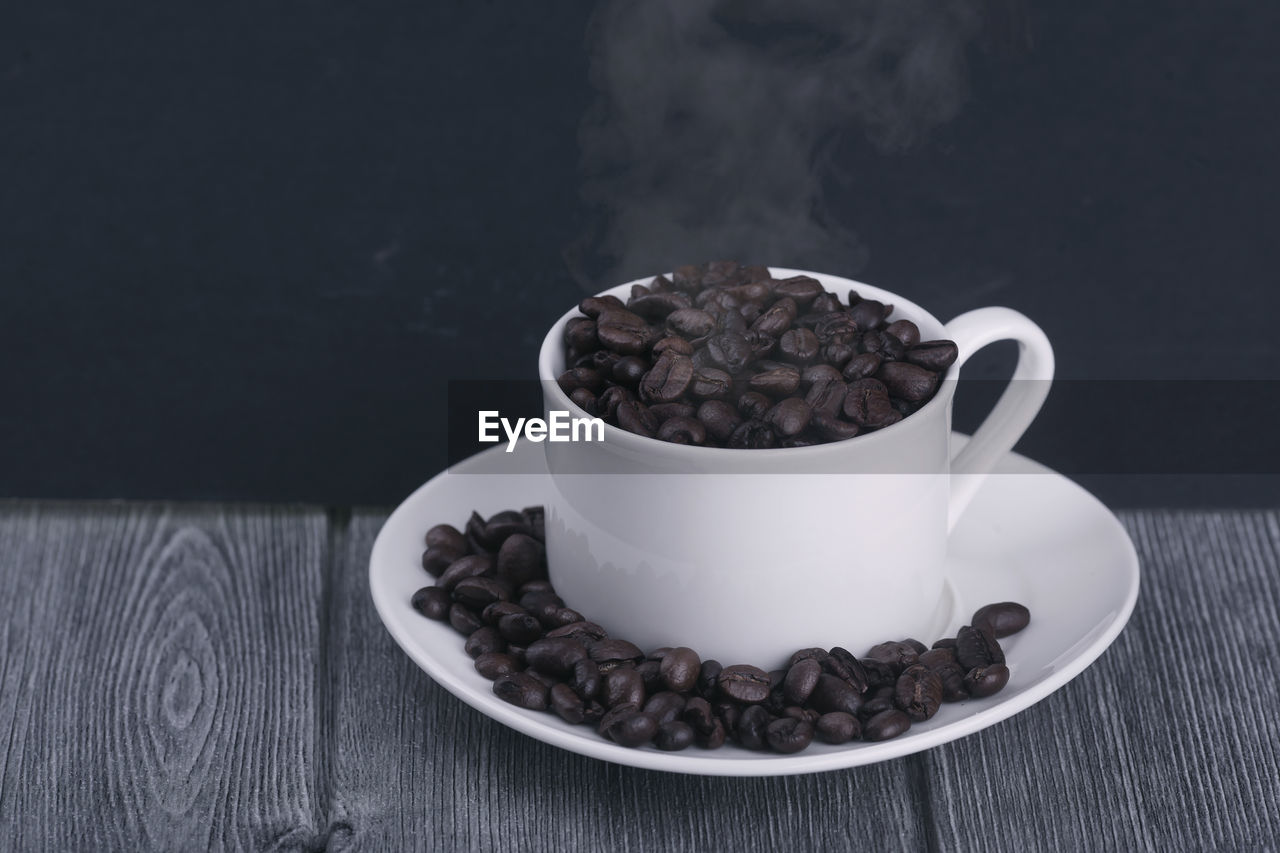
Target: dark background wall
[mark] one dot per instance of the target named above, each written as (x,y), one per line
(244,246)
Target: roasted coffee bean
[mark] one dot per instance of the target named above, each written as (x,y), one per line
(494,612)
(983,681)
(594,306)
(802,288)
(613,715)
(779,382)
(540,585)
(790,417)
(675,344)
(651,674)
(761,344)
(432,602)
(656,306)
(788,735)
(711,383)
(673,736)
(777,319)
(697,713)
(837,727)
(861,366)
(472,566)
(555,656)
(680,430)
(886,725)
(623,331)
(586,632)
(713,738)
(832,428)
(827,396)
(517,652)
(867,403)
(814,653)
(585,400)
(633,730)
(719,418)
(908,381)
(668,379)
(933,355)
(548,680)
(623,686)
(826,303)
(521,690)
(520,628)
(898,654)
(567,704)
(541,604)
(666,411)
(907,332)
(914,644)
(479,593)
(1002,619)
(630,370)
(838,355)
(802,678)
(475,535)
(751,726)
(880,673)
(463,619)
(580,377)
(665,706)
(918,693)
(560,617)
(448,538)
(841,663)
(494,664)
(580,333)
(753,405)
(585,678)
(521,559)
(976,647)
(877,700)
(635,417)
(934,658)
(945,643)
(502,525)
(743,683)
(952,676)
(708,678)
(601,361)
(610,399)
(868,313)
(680,669)
(753,435)
(727,711)
(614,651)
(834,694)
(691,323)
(798,346)
(438,558)
(816,374)
(482,640)
(729,351)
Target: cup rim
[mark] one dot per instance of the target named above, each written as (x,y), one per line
(551,342)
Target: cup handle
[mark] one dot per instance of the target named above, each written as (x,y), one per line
(1017,406)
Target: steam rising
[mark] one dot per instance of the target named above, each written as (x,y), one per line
(714,121)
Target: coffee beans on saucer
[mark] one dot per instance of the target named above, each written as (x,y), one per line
(725,355)
(541,655)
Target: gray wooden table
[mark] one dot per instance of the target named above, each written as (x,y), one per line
(192,677)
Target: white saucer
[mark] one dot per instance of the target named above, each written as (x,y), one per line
(1030,535)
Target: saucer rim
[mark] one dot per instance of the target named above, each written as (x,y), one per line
(540,726)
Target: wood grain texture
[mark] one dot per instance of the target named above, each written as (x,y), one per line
(1170,741)
(217,678)
(415,768)
(159,680)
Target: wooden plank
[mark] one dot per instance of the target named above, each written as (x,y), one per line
(1171,740)
(158,677)
(414,768)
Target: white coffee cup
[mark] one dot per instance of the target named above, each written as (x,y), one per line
(748,555)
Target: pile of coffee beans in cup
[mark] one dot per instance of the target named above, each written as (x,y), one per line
(491,586)
(725,355)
